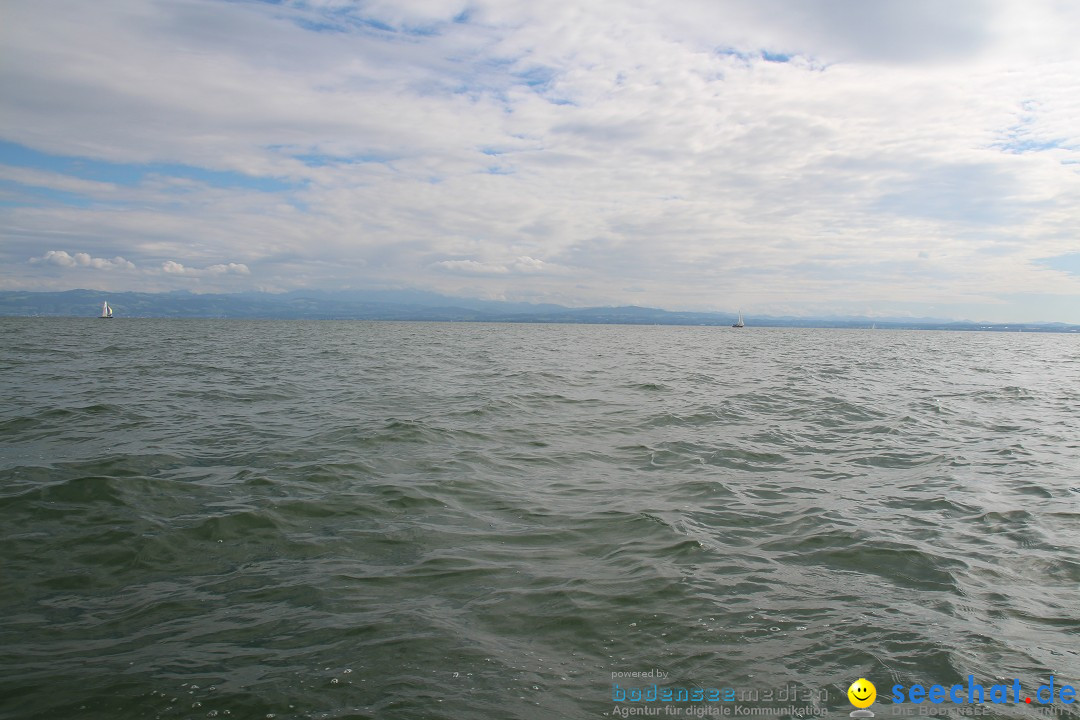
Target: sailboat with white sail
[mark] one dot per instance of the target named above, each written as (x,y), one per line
(106,311)
(739,322)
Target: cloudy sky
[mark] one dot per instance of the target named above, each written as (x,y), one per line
(894,157)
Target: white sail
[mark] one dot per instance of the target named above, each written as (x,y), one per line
(739,323)
(106,311)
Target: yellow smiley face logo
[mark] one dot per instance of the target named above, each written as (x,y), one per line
(862,693)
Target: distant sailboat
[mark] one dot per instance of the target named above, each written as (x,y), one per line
(106,311)
(739,322)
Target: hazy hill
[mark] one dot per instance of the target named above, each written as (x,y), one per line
(420,305)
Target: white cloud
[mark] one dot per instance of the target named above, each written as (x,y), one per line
(716,153)
(55,257)
(171,267)
(81,259)
(471,267)
(526,264)
(523,265)
(236,268)
(55,181)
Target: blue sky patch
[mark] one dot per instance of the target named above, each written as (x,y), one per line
(344,20)
(732,52)
(1070,263)
(132,174)
(1020,145)
(319,26)
(535,76)
(321,160)
(775,57)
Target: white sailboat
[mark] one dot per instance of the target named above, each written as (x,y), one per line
(106,311)
(739,322)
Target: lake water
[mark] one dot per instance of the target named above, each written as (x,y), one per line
(246,519)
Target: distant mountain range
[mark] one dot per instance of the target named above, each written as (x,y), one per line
(420,305)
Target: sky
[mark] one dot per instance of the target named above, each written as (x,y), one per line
(798,157)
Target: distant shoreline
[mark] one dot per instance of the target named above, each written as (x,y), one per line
(408,306)
(954,327)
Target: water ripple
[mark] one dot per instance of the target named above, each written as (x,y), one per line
(323,519)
